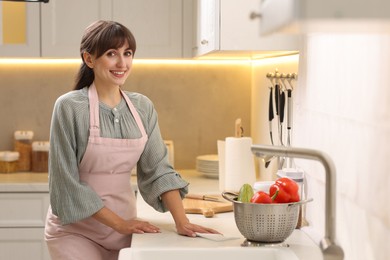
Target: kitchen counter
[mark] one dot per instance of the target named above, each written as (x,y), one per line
(24,182)
(297,246)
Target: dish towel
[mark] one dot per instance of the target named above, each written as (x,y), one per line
(215,237)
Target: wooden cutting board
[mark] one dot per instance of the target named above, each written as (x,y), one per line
(206,208)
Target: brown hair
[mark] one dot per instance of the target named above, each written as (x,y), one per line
(99,37)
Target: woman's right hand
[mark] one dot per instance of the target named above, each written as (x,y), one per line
(126,227)
(136,226)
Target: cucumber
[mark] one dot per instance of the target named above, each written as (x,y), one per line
(246,193)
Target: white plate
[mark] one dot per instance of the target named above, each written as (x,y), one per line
(210,175)
(208,157)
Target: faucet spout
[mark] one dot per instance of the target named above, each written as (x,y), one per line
(328,245)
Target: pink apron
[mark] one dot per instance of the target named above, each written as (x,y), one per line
(106,167)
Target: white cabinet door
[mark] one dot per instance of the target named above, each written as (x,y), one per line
(23,209)
(23,243)
(63,23)
(225,26)
(157,26)
(26,18)
(318,16)
(207,26)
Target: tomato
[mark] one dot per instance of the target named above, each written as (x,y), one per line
(284,190)
(261,197)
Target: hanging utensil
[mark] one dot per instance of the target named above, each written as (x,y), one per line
(282,102)
(277,96)
(289,116)
(270,114)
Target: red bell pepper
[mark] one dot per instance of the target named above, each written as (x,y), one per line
(261,197)
(284,190)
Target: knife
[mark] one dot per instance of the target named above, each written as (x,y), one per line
(282,102)
(203,197)
(289,116)
(270,114)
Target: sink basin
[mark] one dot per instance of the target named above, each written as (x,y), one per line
(226,253)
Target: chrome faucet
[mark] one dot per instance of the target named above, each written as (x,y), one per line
(330,250)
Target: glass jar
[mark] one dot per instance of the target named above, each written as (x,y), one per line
(23,145)
(9,161)
(40,156)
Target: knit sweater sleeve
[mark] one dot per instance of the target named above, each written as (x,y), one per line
(155,175)
(71,200)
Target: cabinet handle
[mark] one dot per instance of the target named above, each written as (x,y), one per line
(204,42)
(253,15)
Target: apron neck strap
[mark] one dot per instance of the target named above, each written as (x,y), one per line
(94,123)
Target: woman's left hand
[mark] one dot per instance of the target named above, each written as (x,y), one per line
(189,229)
(172,201)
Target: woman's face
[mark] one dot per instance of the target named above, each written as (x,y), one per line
(113,67)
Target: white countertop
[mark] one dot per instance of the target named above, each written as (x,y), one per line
(298,243)
(24,182)
(168,240)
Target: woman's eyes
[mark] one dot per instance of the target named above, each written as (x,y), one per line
(128,53)
(114,53)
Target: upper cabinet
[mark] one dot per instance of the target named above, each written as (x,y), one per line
(207,26)
(162,28)
(63,23)
(19,30)
(157,25)
(318,16)
(225,27)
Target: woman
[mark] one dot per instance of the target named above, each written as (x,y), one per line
(99,133)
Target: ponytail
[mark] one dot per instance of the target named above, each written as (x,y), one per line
(84,77)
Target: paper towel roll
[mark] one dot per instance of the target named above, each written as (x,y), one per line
(221,164)
(239,163)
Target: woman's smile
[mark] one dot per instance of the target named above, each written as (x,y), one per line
(118,74)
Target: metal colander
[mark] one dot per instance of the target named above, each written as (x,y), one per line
(266,223)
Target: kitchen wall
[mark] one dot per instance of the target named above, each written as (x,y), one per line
(343,108)
(197,101)
(260,105)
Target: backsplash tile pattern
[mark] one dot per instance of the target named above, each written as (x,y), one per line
(197,103)
(343,109)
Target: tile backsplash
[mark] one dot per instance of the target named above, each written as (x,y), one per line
(197,102)
(342,108)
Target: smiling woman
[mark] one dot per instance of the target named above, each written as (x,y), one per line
(98,134)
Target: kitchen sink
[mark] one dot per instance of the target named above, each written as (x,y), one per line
(225,253)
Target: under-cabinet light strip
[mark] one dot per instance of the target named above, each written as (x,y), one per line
(136,61)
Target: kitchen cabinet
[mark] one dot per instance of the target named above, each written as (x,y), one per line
(303,16)
(224,27)
(22,221)
(30,30)
(63,24)
(158,26)
(23,243)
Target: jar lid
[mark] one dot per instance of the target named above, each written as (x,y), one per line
(9,156)
(292,173)
(23,135)
(41,146)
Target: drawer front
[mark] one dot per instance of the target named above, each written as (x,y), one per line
(23,243)
(23,209)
